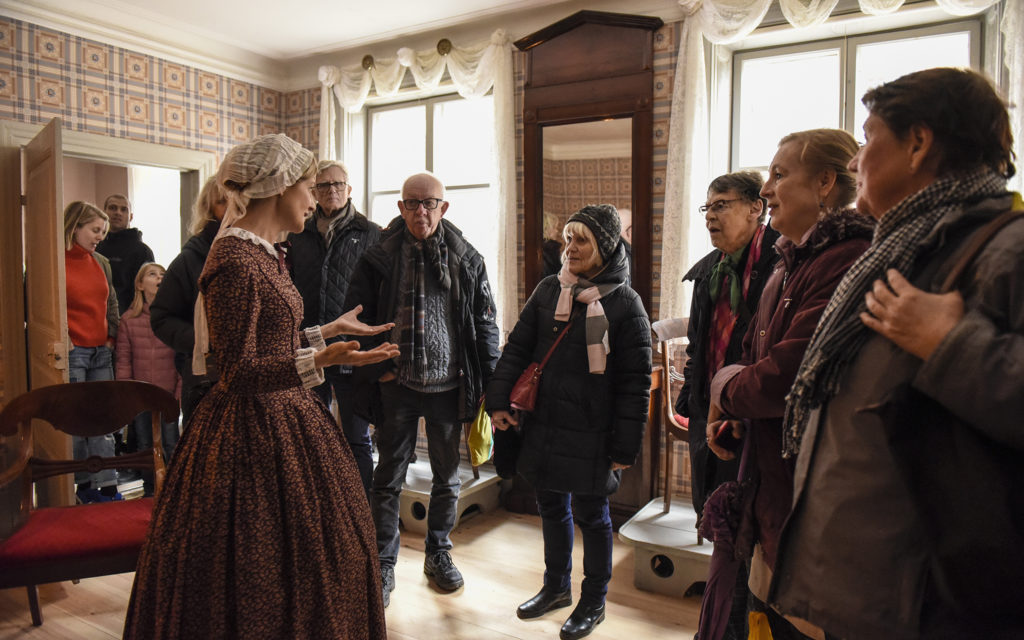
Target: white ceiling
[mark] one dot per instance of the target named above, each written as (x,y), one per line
(280,44)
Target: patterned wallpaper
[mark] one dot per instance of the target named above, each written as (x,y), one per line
(100,88)
(571,184)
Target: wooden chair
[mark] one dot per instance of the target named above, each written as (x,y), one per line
(69,543)
(670,334)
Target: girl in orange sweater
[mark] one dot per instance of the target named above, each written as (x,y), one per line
(92,329)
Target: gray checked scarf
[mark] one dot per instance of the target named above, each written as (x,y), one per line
(413,339)
(840,334)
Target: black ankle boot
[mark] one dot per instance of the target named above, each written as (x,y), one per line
(582,621)
(545,600)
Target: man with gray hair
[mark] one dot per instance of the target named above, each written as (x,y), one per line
(322,260)
(426,278)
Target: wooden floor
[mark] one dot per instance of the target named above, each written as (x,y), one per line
(500,554)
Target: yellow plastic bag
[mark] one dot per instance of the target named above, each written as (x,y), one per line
(480,440)
(759,629)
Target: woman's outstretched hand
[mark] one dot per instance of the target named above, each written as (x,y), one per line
(502,419)
(915,320)
(349,353)
(349,324)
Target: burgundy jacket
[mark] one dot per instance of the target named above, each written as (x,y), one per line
(142,356)
(755,388)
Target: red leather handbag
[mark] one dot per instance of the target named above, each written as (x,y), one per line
(524,393)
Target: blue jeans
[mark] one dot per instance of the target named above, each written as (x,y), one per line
(87,364)
(356,428)
(595,523)
(396,442)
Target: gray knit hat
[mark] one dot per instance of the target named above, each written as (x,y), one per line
(603,222)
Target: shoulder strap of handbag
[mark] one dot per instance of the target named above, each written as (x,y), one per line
(557,340)
(978,242)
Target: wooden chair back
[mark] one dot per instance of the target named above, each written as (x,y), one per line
(87,409)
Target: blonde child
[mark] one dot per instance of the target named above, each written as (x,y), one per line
(142,356)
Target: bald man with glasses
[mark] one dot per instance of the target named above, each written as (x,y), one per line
(322,260)
(429,280)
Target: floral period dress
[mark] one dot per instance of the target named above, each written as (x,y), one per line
(262,529)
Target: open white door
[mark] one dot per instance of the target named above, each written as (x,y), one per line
(45,296)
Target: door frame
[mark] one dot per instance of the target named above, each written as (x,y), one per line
(120,151)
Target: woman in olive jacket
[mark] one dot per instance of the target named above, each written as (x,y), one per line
(591,407)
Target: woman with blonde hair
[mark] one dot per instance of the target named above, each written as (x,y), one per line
(808,192)
(262,529)
(92,329)
(591,407)
(171,311)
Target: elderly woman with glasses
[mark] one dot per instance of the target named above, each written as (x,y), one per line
(906,413)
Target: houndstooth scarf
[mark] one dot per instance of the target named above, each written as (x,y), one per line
(840,334)
(577,288)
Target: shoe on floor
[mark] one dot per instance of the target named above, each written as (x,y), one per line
(387,582)
(545,600)
(88,496)
(440,567)
(582,621)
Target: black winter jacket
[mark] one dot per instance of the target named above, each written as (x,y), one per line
(172,310)
(126,253)
(375,286)
(707,470)
(322,273)
(582,422)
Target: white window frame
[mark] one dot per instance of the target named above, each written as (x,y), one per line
(428,161)
(846,46)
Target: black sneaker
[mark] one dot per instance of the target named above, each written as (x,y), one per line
(387,582)
(439,566)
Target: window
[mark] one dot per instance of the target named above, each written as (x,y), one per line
(819,84)
(451,137)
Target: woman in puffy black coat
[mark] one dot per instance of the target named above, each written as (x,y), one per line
(172,310)
(591,407)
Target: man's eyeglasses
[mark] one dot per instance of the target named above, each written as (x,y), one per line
(412,204)
(325,187)
(718,206)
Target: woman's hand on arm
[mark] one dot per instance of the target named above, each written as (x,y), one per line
(349,324)
(349,353)
(914,320)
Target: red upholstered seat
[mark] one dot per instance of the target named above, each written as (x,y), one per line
(42,543)
(61,535)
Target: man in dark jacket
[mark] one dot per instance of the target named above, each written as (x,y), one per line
(427,279)
(124,248)
(323,258)
(727,285)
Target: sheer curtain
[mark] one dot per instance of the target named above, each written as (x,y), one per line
(474,70)
(724,22)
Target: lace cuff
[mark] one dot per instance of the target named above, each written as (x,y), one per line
(315,338)
(309,373)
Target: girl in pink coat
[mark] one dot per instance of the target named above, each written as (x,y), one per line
(142,356)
